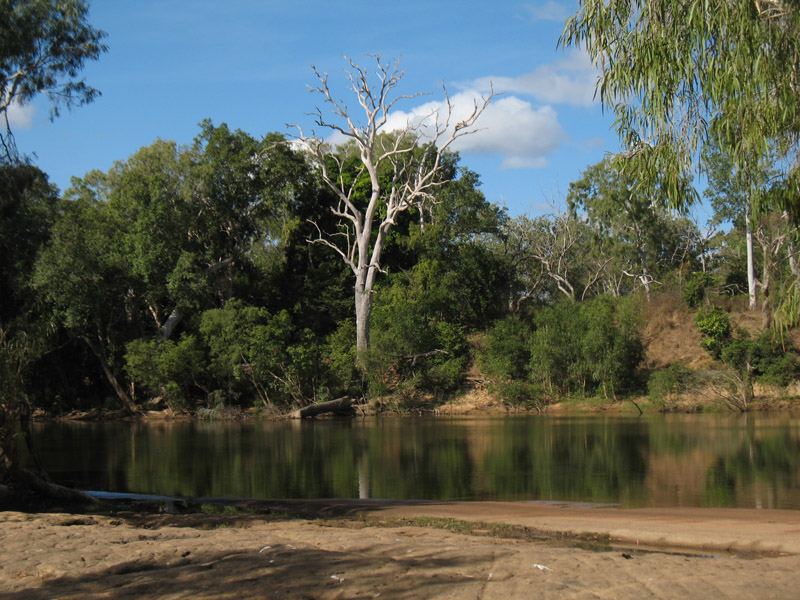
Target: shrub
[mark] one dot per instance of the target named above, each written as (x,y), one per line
(166,368)
(715,327)
(571,348)
(586,347)
(506,351)
(262,355)
(695,288)
(520,393)
(762,359)
(665,385)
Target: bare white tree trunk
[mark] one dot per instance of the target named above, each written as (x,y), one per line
(363,312)
(751,267)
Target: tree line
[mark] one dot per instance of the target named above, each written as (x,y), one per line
(190,274)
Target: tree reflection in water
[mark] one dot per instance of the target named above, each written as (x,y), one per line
(658,460)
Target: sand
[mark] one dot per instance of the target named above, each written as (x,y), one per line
(373,552)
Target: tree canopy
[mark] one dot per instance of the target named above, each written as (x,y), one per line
(44,46)
(678,73)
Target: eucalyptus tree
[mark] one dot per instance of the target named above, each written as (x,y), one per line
(629,223)
(550,256)
(43,47)
(731,193)
(45,44)
(411,159)
(681,73)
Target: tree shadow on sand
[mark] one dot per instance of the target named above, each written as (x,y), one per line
(280,570)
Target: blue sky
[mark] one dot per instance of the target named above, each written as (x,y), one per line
(173,63)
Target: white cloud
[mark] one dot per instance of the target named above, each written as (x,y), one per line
(547,11)
(512,128)
(20,116)
(570,80)
(521,134)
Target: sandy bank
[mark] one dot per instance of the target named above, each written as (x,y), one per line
(253,556)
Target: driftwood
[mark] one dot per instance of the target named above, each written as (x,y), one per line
(340,406)
(25,490)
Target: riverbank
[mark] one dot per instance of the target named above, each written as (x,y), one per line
(404,550)
(473,402)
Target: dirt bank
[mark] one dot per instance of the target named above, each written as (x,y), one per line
(375,553)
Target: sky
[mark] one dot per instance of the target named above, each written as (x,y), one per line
(247,63)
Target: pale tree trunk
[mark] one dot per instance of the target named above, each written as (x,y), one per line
(363,312)
(642,249)
(174,319)
(790,247)
(99,352)
(751,268)
(645,271)
(766,276)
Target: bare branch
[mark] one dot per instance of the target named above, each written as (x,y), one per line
(412,154)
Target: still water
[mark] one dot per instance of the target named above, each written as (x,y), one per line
(657,460)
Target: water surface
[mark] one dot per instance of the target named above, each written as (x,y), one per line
(658,460)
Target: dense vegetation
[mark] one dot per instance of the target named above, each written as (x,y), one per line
(207,276)
(185,275)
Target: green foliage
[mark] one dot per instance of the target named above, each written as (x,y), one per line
(766,360)
(412,345)
(418,334)
(587,347)
(569,348)
(696,287)
(45,45)
(166,368)
(665,385)
(28,208)
(340,356)
(254,352)
(631,228)
(748,360)
(690,74)
(506,351)
(514,392)
(715,328)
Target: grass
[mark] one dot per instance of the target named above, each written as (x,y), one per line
(597,542)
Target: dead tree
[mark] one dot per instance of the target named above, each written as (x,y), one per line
(411,154)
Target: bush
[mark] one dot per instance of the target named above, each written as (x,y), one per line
(506,351)
(715,327)
(587,347)
(417,340)
(761,359)
(166,368)
(570,348)
(665,385)
(261,355)
(340,357)
(695,288)
(520,393)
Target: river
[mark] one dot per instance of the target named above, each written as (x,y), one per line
(720,460)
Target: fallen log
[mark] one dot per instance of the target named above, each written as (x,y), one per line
(340,406)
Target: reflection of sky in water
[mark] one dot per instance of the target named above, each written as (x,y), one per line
(658,460)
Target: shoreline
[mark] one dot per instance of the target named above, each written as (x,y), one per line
(459,408)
